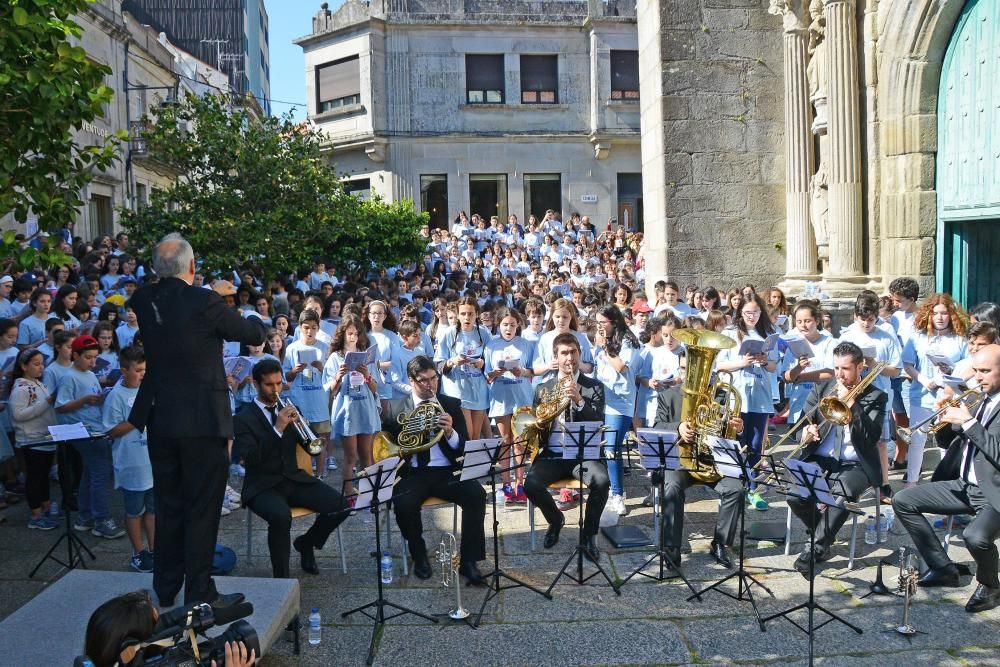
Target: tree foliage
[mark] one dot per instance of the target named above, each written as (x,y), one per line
(260,191)
(48,88)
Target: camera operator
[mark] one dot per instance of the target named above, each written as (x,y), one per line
(117,628)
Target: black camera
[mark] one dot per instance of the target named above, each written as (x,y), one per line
(176,640)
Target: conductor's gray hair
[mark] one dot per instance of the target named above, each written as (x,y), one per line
(172,256)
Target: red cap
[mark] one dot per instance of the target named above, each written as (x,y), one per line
(83,343)
(641,307)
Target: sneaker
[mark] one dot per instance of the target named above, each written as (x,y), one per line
(618,503)
(961,521)
(140,563)
(236,470)
(233,494)
(568,499)
(107,529)
(230,504)
(224,511)
(331,464)
(55,512)
(508,493)
(756,502)
(519,496)
(42,523)
(83,524)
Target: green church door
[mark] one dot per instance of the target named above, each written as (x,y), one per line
(968,161)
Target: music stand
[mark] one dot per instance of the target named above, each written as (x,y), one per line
(731,462)
(580,442)
(75,547)
(812,485)
(374,488)
(657,453)
(481,460)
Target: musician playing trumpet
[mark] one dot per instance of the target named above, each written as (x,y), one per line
(265,433)
(848,453)
(430,473)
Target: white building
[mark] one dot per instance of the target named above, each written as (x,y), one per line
(486,106)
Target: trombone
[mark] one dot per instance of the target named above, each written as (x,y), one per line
(834,409)
(933,423)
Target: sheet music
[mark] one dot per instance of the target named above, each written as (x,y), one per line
(809,480)
(725,462)
(478,458)
(649,449)
(366,489)
(75,431)
(355,360)
(572,434)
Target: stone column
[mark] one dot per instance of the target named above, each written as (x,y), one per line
(845,165)
(800,161)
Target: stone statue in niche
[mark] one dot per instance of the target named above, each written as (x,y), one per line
(816,72)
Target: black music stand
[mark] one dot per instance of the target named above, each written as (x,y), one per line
(657,451)
(75,547)
(375,485)
(579,445)
(481,460)
(731,462)
(812,485)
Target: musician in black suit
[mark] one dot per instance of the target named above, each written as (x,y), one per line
(274,482)
(966,482)
(849,454)
(586,403)
(184,404)
(676,482)
(431,473)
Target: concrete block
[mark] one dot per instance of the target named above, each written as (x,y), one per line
(766,201)
(676,107)
(726,168)
(702,77)
(722,22)
(704,135)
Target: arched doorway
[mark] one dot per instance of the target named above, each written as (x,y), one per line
(968,161)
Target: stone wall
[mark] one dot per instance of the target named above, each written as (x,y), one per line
(712,146)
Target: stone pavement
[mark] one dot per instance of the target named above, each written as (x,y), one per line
(650,623)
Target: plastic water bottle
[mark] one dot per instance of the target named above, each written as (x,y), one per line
(385,568)
(870,536)
(315,629)
(883,526)
(890,518)
(501,501)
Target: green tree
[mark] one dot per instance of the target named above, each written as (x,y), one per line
(48,88)
(259,190)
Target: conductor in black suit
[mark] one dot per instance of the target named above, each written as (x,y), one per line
(676,482)
(184,405)
(430,473)
(966,482)
(586,404)
(274,482)
(848,453)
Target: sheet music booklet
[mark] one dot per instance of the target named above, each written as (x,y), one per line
(478,458)
(355,360)
(386,469)
(649,449)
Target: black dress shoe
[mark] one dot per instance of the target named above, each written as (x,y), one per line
(673,555)
(552,534)
(590,550)
(802,562)
(897,465)
(422,567)
(472,574)
(946,577)
(983,599)
(721,554)
(306,556)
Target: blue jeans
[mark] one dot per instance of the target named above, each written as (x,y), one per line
(95,482)
(754,430)
(619,426)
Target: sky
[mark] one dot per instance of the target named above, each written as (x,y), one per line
(290,19)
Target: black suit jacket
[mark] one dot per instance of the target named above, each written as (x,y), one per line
(986,439)
(452,406)
(668,409)
(184,393)
(867,417)
(592,393)
(268,459)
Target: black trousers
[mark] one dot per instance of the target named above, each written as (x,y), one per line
(675,483)
(418,485)
(189,481)
(845,477)
(36,484)
(274,506)
(951,497)
(594,474)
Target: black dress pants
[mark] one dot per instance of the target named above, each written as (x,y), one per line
(419,484)
(275,507)
(847,478)
(594,474)
(675,483)
(189,481)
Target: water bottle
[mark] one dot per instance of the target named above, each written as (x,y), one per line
(385,568)
(883,526)
(890,517)
(501,501)
(315,629)
(870,536)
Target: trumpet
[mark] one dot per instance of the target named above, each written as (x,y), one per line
(448,557)
(307,439)
(908,576)
(971,398)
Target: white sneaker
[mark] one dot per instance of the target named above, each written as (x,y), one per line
(331,463)
(225,511)
(617,503)
(237,470)
(233,494)
(230,504)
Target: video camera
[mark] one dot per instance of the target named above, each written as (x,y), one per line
(175,640)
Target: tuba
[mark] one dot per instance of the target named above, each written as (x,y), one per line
(699,405)
(420,432)
(528,424)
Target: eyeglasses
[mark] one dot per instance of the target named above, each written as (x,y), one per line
(751,313)
(425,380)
